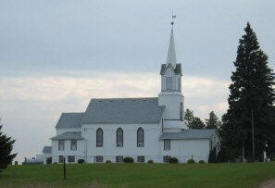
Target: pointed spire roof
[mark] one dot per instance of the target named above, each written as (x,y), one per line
(171,57)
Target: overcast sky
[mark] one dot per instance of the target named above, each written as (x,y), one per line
(57,54)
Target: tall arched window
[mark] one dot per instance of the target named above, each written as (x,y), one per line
(99,137)
(140,137)
(119,137)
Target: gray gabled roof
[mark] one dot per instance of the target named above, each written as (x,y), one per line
(123,111)
(177,69)
(47,149)
(189,134)
(69,120)
(68,136)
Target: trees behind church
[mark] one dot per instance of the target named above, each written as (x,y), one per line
(194,122)
(250,102)
(191,121)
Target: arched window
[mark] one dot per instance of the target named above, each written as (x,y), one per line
(99,137)
(140,137)
(119,137)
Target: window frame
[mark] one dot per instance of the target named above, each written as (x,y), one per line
(169,83)
(99,159)
(142,139)
(75,144)
(181,111)
(166,158)
(98,144)
(61,147)
(117,137)
(119,159)
(71,157)
(179,84)
(166,144)
(141,159)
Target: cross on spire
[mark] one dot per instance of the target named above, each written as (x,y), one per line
(173,19)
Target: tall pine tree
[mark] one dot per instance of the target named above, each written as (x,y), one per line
(213,121)
(191,121)
(188,117)
(6,145)
(250,93)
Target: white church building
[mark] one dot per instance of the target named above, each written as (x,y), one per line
(141,128)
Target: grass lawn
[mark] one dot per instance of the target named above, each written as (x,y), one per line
(139,175)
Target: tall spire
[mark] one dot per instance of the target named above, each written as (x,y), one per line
(171,57)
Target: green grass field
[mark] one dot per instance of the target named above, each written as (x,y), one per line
(139,175)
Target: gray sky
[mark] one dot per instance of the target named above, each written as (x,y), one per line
(57,54)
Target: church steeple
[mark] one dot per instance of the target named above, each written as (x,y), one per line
(171,95)
(171,56)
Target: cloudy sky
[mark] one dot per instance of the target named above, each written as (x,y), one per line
(57,54)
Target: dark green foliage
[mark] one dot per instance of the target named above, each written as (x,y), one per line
(251,90)
(49,160)
(128,160)
(173,160)
(108,161)
(80,161)
(213,121)
(201,161)
(197,123)
(222,156)
(6,145)
(188,117)
(190,161)
(191,121)
(212,156)
(150,161)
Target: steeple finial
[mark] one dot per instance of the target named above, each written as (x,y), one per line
(171,57)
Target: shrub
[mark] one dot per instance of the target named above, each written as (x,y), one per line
(80,161)
(201,161)
(173,160)
(108,161)
(150,161)
(191,161)
(49,160)
(128,160)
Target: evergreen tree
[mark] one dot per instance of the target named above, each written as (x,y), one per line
(213,121)
(250,93)
(188,117)
(197,123)
(6,145)
(191,121)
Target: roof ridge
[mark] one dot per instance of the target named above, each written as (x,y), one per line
(118,98)
(73,112)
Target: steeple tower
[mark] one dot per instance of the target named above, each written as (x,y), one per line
(171,96)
